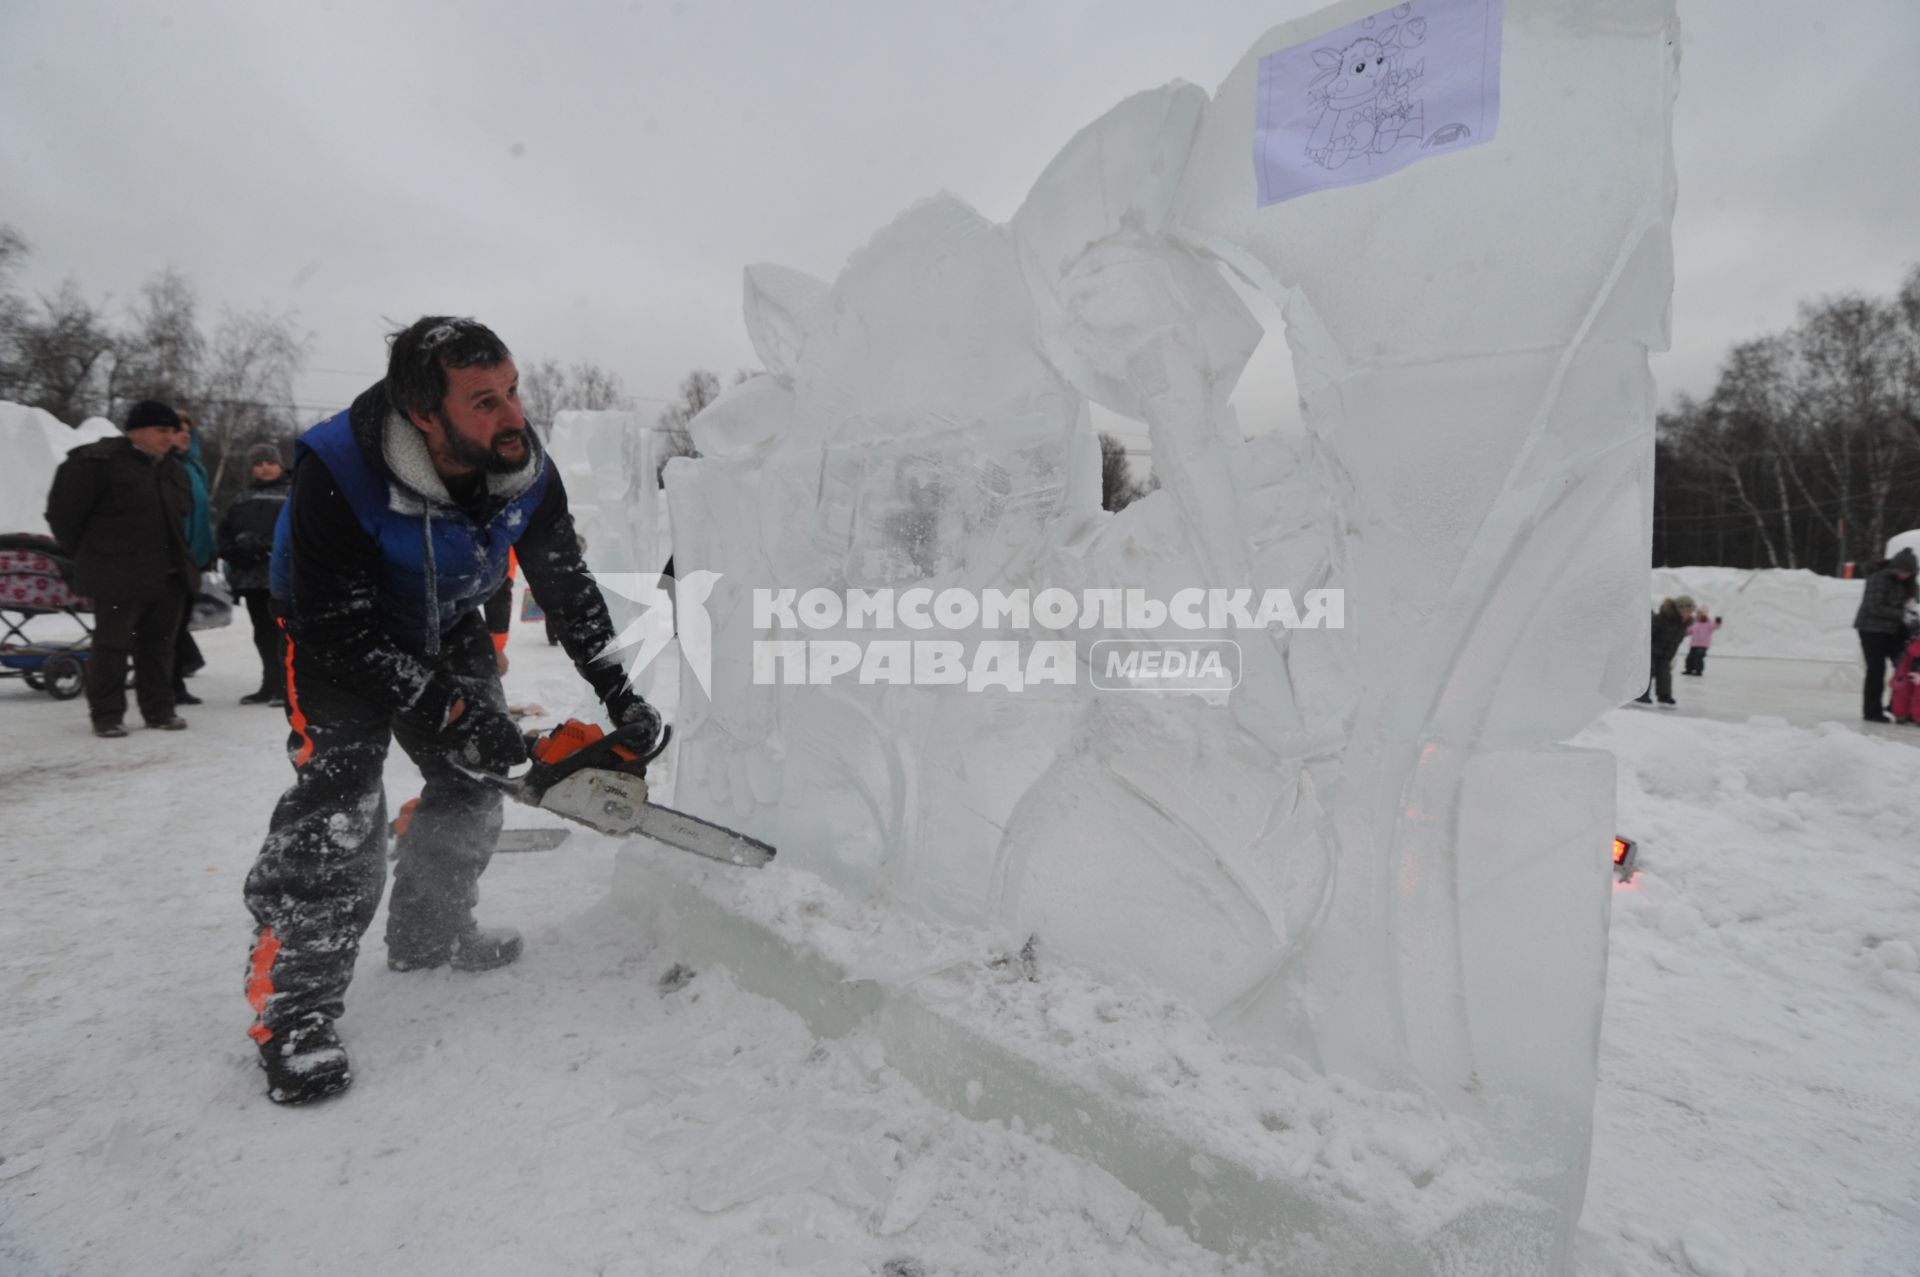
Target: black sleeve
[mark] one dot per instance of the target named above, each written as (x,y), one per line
(1882,604)
(226,536)
(498,611)
(70,502)
(333,617)
(549,553)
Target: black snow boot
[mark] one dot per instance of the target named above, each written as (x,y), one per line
(305,1062)
(265,696)
(477,949)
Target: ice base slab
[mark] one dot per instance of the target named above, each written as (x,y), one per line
(1271,1163)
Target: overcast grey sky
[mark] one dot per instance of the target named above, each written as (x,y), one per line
(590,178)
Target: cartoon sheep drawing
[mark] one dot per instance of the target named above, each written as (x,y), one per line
(1365,94)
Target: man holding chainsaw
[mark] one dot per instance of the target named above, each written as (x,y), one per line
(402,513)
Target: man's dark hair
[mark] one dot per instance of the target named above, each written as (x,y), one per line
(419,355)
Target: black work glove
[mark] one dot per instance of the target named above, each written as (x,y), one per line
(626,708)
(485,739)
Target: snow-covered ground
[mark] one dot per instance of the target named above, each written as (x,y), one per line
(1759,1110)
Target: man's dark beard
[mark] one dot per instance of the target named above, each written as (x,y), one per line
(484,458)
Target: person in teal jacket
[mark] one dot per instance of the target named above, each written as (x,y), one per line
(202,545)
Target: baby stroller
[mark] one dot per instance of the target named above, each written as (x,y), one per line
(1906,685)
(33,583)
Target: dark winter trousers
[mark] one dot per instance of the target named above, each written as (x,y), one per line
(1696,660)
(1662,674)
(186,652)
(141,630)
(317,882)
(1878,649)
(267,639)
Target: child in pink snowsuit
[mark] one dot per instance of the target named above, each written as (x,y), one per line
(1700,635)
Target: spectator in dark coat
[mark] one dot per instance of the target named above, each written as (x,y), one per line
(201,546)
(246,544)
(1882,623)
(1669,628)
(120,508)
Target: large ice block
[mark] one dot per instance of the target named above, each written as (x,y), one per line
(1371,854)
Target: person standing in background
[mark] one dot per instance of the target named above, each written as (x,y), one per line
(245,540)
(119,507)
(1882,622)
(1700,635)
(1669,627)
(201,545)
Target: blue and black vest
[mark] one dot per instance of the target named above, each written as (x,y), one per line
(436,562)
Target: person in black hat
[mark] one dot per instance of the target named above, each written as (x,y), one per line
(246,544)
(119,507)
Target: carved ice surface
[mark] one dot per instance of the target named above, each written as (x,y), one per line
(609,463)
(1373,855)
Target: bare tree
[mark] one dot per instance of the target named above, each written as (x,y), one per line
(160,355)
(698,389)
(1847,349)
(13,308)
(1808,450)
(1906,309)
(58,356)
(547,389)
(246,394)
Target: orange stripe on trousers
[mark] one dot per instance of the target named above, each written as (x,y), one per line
(266,947)
(296,719)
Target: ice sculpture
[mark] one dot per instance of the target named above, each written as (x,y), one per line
(1373,854)
(610,462)
(608,459)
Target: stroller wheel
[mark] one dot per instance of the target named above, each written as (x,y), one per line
(65,677)
(34,680)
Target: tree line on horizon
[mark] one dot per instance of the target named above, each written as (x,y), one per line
(78,358)
(1806,453)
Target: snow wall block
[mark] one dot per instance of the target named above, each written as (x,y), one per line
(1302,862)
(1209,1177)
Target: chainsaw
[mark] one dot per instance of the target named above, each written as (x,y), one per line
(599,779)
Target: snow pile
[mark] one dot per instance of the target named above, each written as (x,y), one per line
(1108,1047)
(92,430)
(1757,1111)
(1783,613)
(1373,854)
(601,1111)
(33,443)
